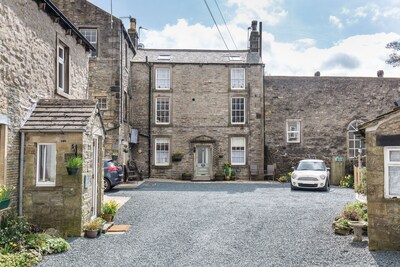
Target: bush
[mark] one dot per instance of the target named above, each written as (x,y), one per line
(283,179)
(13,230)
(347,181)
(46,244)
(355,211)
(20,259)
(110,207)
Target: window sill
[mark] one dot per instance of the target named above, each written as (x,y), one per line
(169,166)
(62,93)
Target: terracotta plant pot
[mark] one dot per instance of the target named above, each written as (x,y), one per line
(91,233)
(108,217)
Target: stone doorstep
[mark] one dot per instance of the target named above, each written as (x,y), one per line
(106,227)
(119,228)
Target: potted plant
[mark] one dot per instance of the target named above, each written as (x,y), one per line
(73,165)
(92,228)
(177,156)
(186,175)
(109,209)
(5,192)
(219,176)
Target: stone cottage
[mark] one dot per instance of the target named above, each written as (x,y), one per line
(204,104)
(44,57)
(109,68)
(383,180)
(317,117)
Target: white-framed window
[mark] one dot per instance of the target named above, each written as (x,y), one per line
(162,151)
(355,142)
(63,68)
(238,150)
(238,110)
(293,131)
(392,172)
(162,110)
(45,164)
(163,79)
(102,102)
(91,36)
(237,78)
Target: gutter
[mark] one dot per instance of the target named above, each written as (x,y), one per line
(21,173)
(149,119)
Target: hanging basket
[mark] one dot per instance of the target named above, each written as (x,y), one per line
(72,171)
(4,203)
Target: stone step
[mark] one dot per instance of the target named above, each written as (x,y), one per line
(107,226)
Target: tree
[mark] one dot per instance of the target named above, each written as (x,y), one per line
(394,58)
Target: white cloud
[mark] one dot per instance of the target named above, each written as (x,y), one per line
(336,21)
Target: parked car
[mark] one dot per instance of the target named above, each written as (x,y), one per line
(113,174)
(310,173)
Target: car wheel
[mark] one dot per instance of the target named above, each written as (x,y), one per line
(292,187)
(326,187)
(107,185)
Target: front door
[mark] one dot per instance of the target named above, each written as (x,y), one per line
(203,155)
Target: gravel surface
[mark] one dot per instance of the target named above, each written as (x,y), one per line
(221,224)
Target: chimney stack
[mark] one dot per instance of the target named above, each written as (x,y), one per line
(133,33)
(380,73)
(255,38)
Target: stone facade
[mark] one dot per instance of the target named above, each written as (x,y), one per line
(325,106)
(383,211)
(109,69)
(200,98)
(28,51)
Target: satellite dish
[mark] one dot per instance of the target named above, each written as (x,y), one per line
(140,46)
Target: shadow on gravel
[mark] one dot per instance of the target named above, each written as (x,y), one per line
(204,187)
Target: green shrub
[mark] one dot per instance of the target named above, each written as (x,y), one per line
(355,211)
(283,179)
(347,181)
(110,207)
(23,258)
(46,244)
(74,162)
(13,230)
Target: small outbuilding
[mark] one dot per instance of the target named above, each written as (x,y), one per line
(57,130)
(383,180)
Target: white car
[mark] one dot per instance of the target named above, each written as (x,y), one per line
(310,173)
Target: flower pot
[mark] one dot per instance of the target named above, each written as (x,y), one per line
(186,177)
(219,177)
(4,203)
(176,158)
(108,217)
(91,233)
(72,171)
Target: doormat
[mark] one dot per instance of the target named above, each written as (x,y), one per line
(119,228)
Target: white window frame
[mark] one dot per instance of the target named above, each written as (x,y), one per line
(388,163)
(353,151)
(88,34)
(158,79)
(238,83)
(156,151)
(39,178)
(293,132)
(160,113)
(102,102)
(232,143)
(63,69)
(238,110)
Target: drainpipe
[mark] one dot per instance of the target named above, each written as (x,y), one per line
(121,90)
(149,118)
(21,173)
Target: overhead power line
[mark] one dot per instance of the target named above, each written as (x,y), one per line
(222,37)
(225,24)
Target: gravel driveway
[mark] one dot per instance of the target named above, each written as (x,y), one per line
(225,224)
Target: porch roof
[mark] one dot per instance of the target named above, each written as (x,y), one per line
(60,115)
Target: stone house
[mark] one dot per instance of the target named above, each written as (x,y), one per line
(383,180)
(205,104)
(57,130)
(44,56)
(109,68)
(317,117)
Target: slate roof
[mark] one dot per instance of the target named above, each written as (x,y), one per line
(60,115)
(198,56)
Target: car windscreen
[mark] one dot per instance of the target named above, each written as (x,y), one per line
(311,166)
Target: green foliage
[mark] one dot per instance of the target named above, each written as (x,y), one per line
(22,258)
(344,222)
(92,225)
(74,162)
(13,230)
(110,207)
(362,186)
(283,179)
(227,169)
(177,154)
(347,181)
(46,244)
(355,211)
(5,191)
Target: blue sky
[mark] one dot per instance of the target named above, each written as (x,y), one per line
(300,37)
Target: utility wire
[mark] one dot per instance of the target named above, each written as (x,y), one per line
(216,24)
(225,23)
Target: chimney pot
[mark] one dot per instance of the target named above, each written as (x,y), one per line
(317,74)
(380,73)
(133,23)
(254,25)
